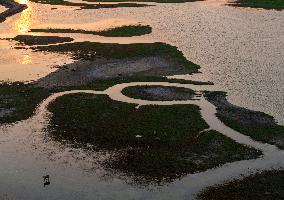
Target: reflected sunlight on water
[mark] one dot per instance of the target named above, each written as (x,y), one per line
(22,25)
(26,59)
(98,25)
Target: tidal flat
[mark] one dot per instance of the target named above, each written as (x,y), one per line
(267,185)
(132,106)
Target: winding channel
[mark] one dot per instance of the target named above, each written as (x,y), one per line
(190,185)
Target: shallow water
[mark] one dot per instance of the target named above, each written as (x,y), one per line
(97,26)
(239,49)
(2,9)
(27,155)
(26,65)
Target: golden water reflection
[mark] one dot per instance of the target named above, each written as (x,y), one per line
(26,59)
(23,24)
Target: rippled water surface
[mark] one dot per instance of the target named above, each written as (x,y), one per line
(26,155)
(240,49)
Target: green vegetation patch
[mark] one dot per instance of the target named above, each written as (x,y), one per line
(40,40)
(268,185)
(152,143)
(88,6)
(266,4)
(158,93)
(110,124)
(124,31)
(257,125)
(18,101)
(94,50)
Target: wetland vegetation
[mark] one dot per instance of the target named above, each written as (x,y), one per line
(152,143)
(268,185)
(144,143)
(123,31)
(266,4)
(257,125)
(40,40)
(148,134)
(94,50)
(156,1)
(18,101)
(88,6)
(159,93)
(101,61)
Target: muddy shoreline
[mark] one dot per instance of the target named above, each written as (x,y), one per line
(12,9)
(258,125)
(110,124)
(85,72)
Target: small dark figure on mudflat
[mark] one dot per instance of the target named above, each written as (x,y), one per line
(46,180)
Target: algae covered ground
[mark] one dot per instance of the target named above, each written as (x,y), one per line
(257,125)
(123,31)
(40,40)
(95,62)
(150,144)
(94,50)
(156,144)
(265,4)
(268,185)
(88,6)
(156,1)
(18,101)
(145,144)
(159,93)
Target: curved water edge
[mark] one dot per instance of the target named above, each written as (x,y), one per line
(13,8)
(208,110)
(191,184)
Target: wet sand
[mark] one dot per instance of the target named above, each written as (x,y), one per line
(84,72)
